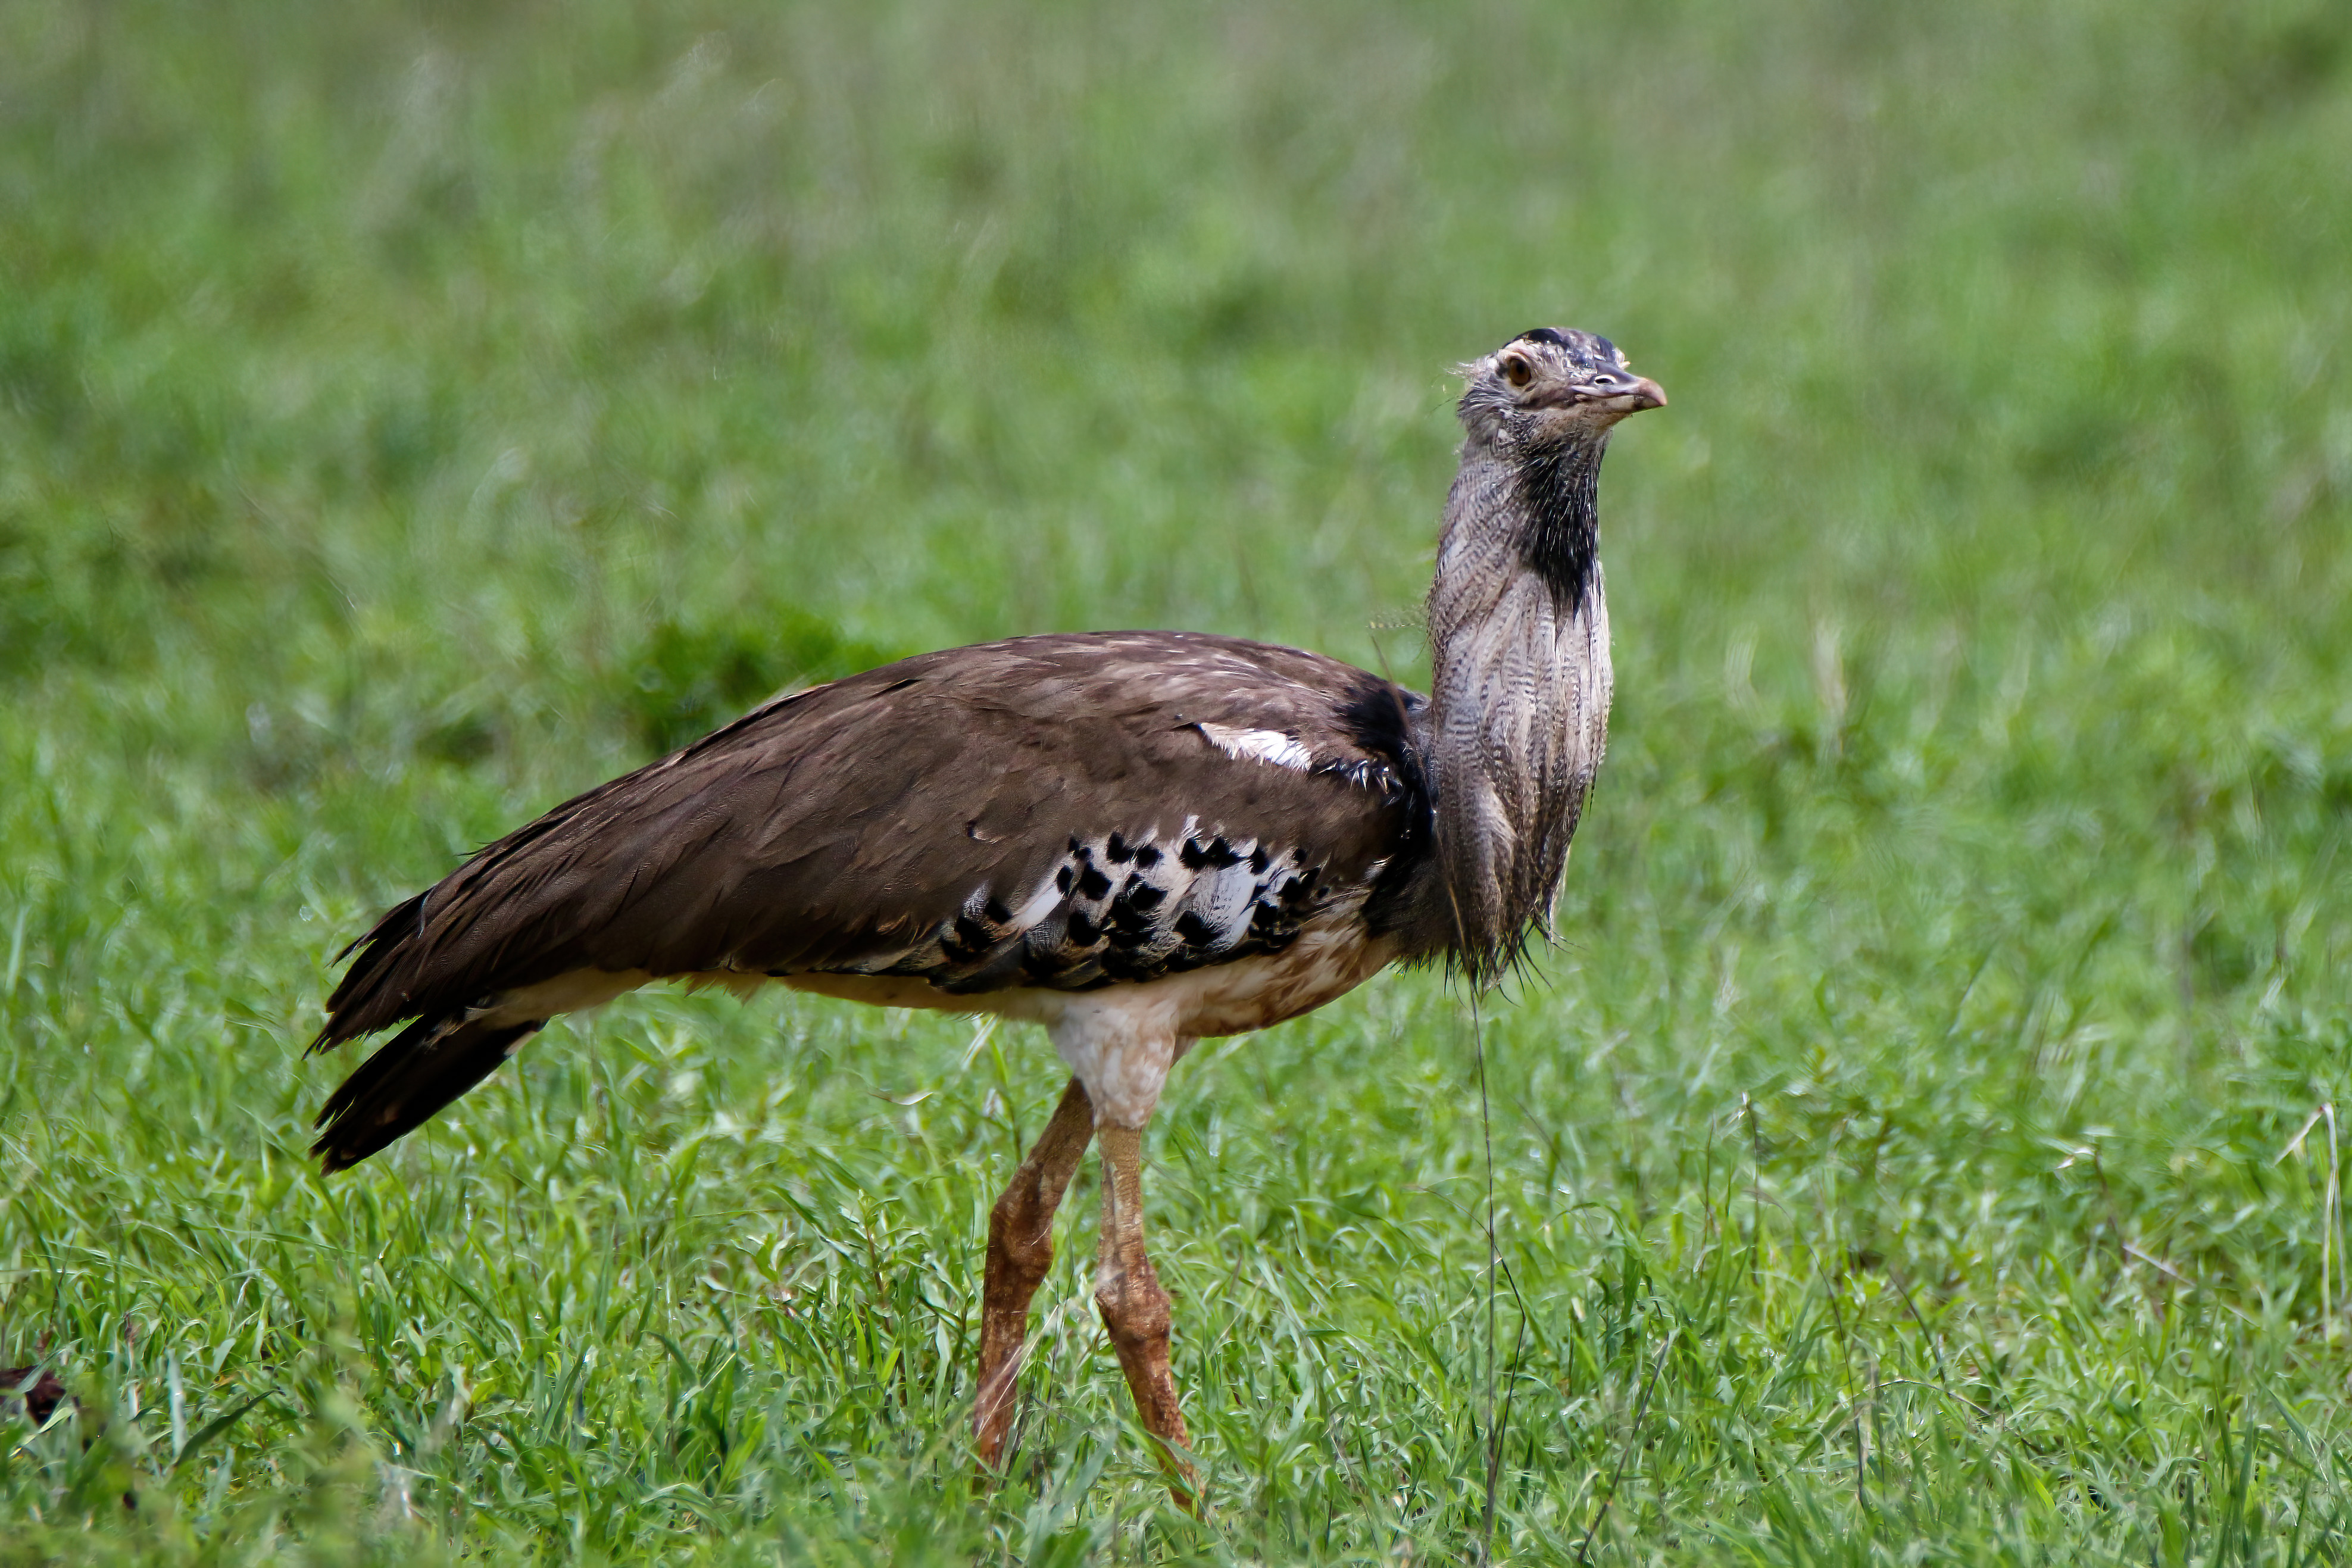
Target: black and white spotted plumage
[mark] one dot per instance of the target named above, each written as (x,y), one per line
(1119,911)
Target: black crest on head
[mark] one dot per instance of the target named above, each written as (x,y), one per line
(1586,350)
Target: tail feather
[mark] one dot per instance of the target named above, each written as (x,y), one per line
(406,1082)
(357,1007)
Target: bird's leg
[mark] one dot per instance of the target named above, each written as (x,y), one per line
(1020,1249)
(1135,1309)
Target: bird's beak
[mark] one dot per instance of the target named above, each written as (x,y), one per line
(1647,393)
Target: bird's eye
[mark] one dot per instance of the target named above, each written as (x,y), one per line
(1516,371)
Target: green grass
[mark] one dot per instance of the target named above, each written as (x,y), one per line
(411,415)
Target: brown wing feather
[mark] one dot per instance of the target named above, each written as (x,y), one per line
(839,828)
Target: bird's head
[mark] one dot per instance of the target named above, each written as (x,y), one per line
(1552,386)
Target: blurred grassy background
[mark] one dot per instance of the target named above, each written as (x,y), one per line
(412,414)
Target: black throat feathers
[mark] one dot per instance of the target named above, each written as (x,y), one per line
(1560,486)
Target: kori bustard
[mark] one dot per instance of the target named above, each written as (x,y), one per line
(1135,839)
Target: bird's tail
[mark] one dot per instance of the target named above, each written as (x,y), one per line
(416,1072)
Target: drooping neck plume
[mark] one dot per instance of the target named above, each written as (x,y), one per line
(1519,697)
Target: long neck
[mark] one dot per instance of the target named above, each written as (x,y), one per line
(1519,698)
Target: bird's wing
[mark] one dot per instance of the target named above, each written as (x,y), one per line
(1063,811)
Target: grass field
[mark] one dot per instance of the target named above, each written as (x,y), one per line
(1923,1144)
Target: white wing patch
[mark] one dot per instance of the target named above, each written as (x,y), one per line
(1042,902)
(1259,746)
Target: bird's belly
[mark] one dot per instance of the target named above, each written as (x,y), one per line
(1331,957)
(1325,962)
(1328,960)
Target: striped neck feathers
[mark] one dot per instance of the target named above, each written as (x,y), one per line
(1519,701)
